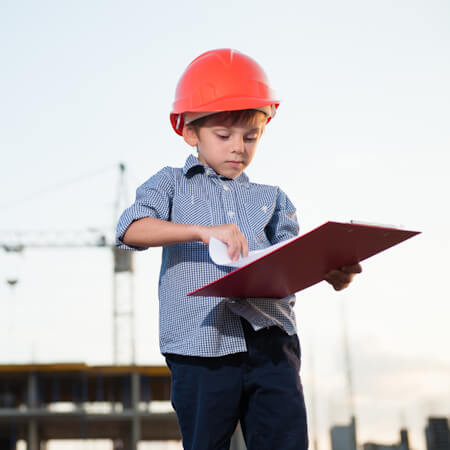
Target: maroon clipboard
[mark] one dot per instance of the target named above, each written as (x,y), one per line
(305,260)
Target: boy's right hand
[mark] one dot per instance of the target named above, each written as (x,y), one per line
(229,234)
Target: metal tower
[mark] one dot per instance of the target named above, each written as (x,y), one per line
(15,243)
(124,350)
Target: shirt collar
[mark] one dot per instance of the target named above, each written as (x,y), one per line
(192,162)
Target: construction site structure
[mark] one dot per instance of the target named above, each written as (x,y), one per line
(124,346)
(41,402)
(343,437)
(437,433)
(16,242)
(403,444)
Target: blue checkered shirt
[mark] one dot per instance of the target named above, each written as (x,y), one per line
(195,194)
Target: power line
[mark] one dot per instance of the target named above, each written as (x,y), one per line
(58,187)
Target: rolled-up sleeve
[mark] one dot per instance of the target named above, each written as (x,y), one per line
(153,199)
(283,224)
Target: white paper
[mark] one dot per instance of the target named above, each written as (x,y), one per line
(218,253)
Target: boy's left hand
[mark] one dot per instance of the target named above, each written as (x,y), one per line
(342,277)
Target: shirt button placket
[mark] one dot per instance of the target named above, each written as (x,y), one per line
(228,204)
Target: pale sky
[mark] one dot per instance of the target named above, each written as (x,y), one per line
(362,133)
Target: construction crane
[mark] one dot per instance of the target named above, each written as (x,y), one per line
(16,242)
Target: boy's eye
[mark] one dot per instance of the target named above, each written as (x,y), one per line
(250,138)
(224,137)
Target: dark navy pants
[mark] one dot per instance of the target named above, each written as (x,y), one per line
(260,387)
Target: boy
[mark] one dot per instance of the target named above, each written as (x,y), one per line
(230,359)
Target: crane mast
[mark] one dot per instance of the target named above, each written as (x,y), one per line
(16,242)
(124,349)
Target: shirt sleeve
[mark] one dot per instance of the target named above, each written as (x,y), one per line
(283,224)
(153,199)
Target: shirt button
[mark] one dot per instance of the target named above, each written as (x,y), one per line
(230,213)
(226,188)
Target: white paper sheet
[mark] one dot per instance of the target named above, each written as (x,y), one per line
(218,253)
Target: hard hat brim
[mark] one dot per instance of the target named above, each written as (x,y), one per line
(226,104)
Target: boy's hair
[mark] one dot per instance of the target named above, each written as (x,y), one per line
(245,117)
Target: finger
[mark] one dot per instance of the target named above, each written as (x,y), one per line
(340,287)
(232,254)
(241,243)
(337,285)
(238,248)
(339,276)
(244,247)
(233,251)
(353,268)
(238,251)
(338,279)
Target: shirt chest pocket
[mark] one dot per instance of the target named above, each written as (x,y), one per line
(191,209)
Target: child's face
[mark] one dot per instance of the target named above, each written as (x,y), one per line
(228,149)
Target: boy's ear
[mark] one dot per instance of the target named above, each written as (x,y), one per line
(190,136)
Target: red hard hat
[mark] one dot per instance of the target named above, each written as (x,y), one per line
(220,80)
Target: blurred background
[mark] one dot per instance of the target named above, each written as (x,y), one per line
(362,133)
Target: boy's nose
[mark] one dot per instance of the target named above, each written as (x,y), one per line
(238,144)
